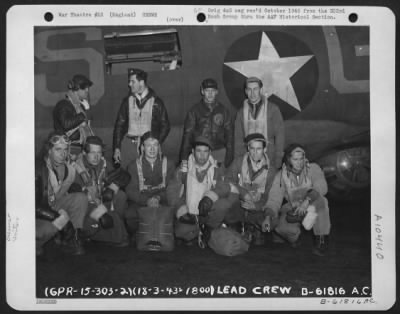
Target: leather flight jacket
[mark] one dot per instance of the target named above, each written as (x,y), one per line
(65,118)
(215,124)
(159,123)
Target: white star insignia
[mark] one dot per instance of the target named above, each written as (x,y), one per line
(274,71)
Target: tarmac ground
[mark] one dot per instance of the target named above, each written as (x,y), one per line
(195,272)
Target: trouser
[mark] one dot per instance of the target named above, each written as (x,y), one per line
(217,215)
(218,212)
(120,203)
(129,151)
(45,230)
(117,233)
(238,214)
(291,231)
(76,205)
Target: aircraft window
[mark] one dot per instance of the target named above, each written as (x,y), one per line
(155,50)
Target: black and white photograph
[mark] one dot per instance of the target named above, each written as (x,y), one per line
(201,157)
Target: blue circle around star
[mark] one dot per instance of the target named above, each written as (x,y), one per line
(285,64)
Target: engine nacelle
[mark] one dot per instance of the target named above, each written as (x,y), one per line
(347,171)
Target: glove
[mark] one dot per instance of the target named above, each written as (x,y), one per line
(205,206)
(188,219)
(310,218)
(106,221)
(293,217)
(108,195)
(248,205)
(313,195)
(247,201)
(302,208)
(100,214)
(46,214)
(59,219)
(119,177)
(184,166)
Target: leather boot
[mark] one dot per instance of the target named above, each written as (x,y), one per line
(108,195)
(248,235)
(206,233)
(64,236)
(75,246)
(259,237)
(320,245)
(277,238)
(68,232)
